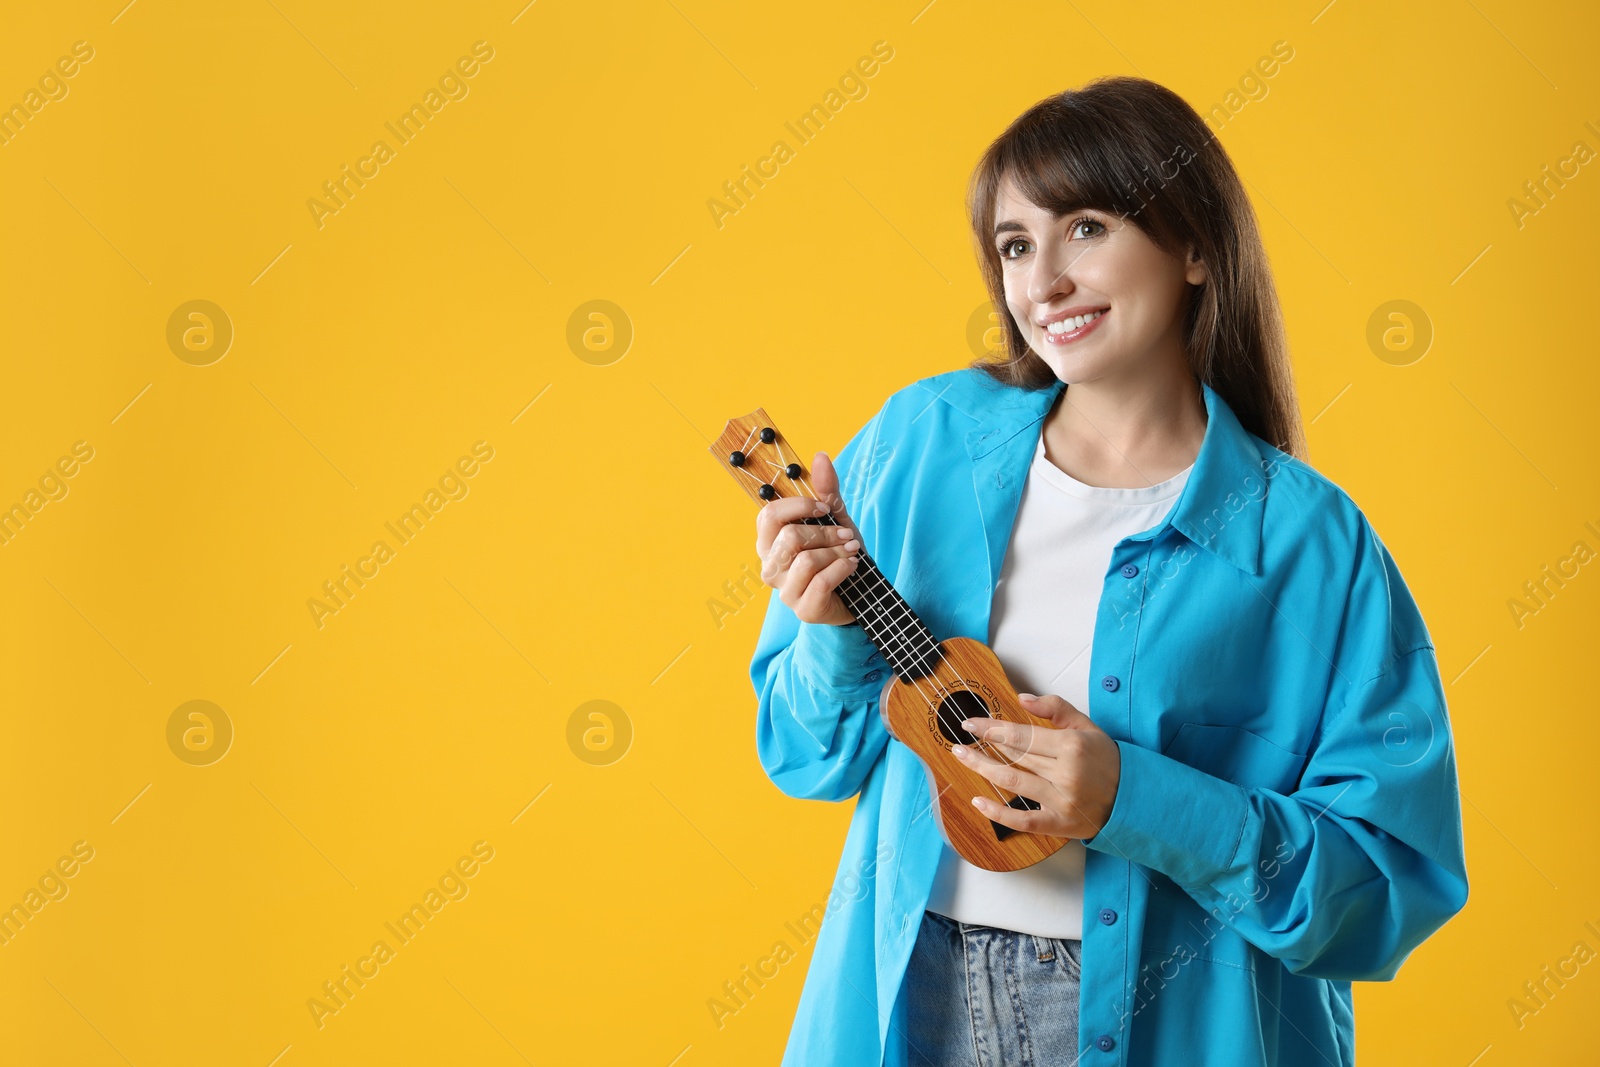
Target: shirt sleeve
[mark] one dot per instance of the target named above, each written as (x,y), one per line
(818,729)
(1344,877)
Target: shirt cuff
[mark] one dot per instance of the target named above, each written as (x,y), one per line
(1173,818)
(838,658)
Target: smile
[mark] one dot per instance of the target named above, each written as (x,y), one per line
(1072,329)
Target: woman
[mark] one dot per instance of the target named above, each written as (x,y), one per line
(1250,755)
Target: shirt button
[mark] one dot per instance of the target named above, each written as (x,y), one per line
(1108,916)
(1129,570)
(1109,683)
(1105,1042)
(874,676)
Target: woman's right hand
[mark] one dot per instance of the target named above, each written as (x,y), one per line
(806,563)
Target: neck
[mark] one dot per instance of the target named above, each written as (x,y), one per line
(1123,433)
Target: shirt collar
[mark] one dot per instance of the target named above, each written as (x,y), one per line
(1222,502)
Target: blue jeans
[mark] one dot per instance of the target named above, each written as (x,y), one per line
(977,996)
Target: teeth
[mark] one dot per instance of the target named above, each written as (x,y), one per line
(1074,322)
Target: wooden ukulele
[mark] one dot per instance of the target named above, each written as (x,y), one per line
(934,684)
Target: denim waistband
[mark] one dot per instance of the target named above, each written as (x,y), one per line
(1045,948)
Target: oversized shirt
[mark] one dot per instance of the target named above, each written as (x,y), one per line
(1288,816)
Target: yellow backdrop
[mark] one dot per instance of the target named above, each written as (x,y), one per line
(363,551)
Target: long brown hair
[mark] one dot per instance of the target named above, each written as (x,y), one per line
(1136,149)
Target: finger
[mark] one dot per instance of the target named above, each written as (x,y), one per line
(1017,738)
(814,600)
(825,486)
(1057,710)
(1008,776)
(1040,821)
(1042,764)
(807,565)
(1038,765)
(797,538)
(774,515)
(793,541)
(1044,820)
(1057,813)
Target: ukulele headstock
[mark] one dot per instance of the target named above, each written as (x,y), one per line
(761,460)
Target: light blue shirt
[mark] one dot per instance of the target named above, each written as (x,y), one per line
(1288,818)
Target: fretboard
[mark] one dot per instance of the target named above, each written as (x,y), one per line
(905,640)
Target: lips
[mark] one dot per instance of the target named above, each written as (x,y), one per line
(1075,327)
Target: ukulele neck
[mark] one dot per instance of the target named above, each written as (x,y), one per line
(904,639)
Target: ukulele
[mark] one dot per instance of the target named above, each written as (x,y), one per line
(934,685)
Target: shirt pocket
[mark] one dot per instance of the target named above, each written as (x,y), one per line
(1240,756)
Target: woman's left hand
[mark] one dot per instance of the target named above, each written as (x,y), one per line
(1071,770)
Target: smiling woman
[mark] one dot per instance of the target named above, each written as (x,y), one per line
(1245,743)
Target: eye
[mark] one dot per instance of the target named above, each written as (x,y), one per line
(1085,219)
(1005,249)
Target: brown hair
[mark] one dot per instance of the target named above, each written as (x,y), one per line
(1135,149)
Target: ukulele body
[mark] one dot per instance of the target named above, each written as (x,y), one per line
(925,715)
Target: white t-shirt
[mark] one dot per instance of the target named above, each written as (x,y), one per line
(1041,627)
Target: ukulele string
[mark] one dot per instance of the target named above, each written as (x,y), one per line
(892,637)
(747,437)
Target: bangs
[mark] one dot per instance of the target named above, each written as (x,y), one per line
(1064,159)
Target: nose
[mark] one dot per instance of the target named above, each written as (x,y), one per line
(1051,276)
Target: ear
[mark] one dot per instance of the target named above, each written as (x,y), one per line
(1195,272)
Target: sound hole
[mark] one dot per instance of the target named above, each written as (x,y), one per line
(956,708)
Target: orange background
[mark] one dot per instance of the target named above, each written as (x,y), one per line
(641,859)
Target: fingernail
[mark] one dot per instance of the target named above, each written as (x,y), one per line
(852,545)
(820,509)
(959,750)
(1027,696)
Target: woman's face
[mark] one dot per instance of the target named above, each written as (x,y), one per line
(1096,264)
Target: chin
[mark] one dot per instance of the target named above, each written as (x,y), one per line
(1071,371)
